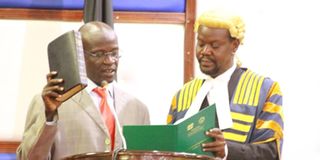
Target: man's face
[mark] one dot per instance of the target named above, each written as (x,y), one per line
(99,66)
(215,50)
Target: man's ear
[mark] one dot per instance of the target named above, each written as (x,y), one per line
(235,45)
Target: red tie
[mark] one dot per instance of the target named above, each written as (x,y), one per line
(106,113)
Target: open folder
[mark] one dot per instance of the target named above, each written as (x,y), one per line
(186,136)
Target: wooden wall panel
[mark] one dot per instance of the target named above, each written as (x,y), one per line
(189,40)
(8,147)
(76,15)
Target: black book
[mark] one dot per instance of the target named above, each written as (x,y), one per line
(66,56)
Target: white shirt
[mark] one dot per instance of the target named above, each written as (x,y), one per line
(96,98)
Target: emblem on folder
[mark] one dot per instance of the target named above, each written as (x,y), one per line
(190,126)
(201,120)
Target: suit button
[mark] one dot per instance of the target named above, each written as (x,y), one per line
(107,141)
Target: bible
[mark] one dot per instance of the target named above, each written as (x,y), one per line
(186,136)
(66,56)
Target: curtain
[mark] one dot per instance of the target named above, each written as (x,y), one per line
(98,10)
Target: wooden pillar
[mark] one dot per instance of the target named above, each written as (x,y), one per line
(189,40)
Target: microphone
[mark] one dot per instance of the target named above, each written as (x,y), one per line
(104,84)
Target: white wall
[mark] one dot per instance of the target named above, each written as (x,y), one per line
(282,41)
(151,66)
(23,67)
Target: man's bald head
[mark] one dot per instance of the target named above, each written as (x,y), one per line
(95,30)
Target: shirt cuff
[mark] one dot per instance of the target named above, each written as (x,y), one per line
(226,152)
(54,121)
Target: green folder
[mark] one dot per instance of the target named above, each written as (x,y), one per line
(186,136)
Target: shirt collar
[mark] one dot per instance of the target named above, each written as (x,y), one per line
(91,85)
(225,76)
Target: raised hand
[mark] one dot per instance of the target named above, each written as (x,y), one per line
(49,94)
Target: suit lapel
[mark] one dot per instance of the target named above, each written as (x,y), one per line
(119,99)
(85,102)
(119,102)
(233,82)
